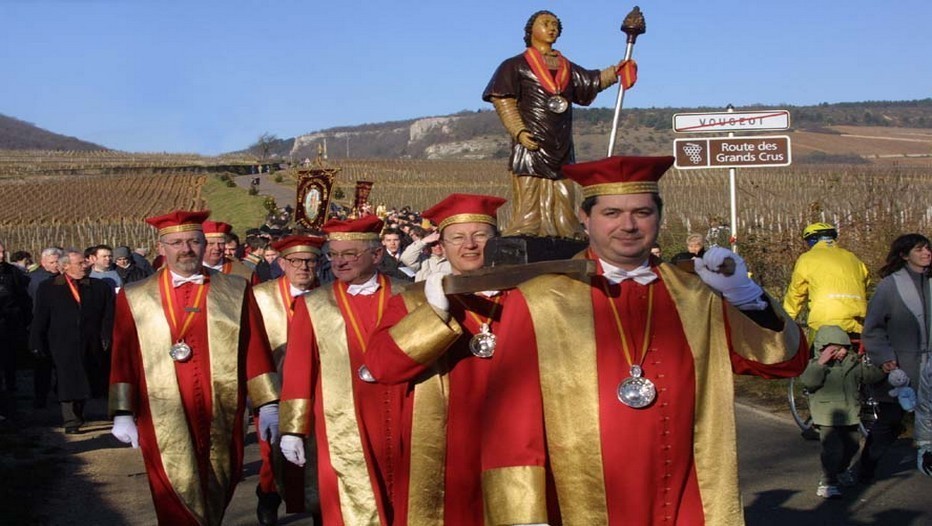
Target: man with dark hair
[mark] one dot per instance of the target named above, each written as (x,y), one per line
(391,264)
(533,94)
(74,324)
(100,259)
(630,369)
(15,315)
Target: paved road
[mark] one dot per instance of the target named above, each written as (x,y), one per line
(104,482)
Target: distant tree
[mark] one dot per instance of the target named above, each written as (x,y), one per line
(263,147)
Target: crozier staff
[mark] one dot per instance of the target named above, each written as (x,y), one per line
(533,94)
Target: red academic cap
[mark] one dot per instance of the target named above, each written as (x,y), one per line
(216,228)
(298,243)
(179,221)
(464,208)
(619,175)
(363,229)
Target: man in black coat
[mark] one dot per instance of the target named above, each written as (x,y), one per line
(15,314)
(73,324)
(42,365)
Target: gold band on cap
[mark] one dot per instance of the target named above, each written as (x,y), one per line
(174,229)
(640,187)
(300,248)
(353,236)
(466,218)
(215,234)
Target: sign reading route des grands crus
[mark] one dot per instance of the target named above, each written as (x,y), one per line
(732,152)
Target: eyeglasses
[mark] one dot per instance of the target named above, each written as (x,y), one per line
(479,238)
(302,262)
(346,255)
(179,243)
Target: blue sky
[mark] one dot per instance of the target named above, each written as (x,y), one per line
(211,76)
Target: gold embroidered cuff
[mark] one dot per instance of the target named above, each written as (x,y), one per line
(761,344)
(121,399)
(515,495)
(263,389)
(423,335)
(294,416)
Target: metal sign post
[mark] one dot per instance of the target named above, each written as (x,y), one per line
(731,151)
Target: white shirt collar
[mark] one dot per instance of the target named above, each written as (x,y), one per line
(615,275)
(365,289)
(295,291)
(179,280)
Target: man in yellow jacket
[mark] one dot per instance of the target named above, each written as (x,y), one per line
(830,281)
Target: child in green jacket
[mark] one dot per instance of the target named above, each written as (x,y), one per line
(832,378)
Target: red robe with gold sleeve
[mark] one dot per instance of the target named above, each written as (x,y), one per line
(189,414)
(558,445)
(415,346)
(359,426)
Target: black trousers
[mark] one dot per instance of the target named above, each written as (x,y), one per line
(839,446)
(886,429)
(72,413)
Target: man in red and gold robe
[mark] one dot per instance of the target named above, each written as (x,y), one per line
(187,347)
(612,399)
(217,234)
(442,348)
(298,255)
(359,425)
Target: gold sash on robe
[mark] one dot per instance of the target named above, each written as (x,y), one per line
(238,268)
(344,439)
(561,310)
(176,449)
(274,316)
(431,404)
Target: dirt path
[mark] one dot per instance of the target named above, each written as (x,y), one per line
(90,478)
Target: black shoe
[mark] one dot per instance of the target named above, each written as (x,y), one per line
(267,509)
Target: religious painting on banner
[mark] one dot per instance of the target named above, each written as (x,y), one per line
(314,194)
(361,200)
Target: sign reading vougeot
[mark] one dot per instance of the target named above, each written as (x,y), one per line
(731,121)
(732,152)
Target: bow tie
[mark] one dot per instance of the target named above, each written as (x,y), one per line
(197,279)
(366,289)
(640,275)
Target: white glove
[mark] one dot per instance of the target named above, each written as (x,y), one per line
(737,288)
(433,289)
(924,458)
(124,429)
(268,423)
(293,449)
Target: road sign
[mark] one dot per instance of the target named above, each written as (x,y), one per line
(731,122)
(732,152)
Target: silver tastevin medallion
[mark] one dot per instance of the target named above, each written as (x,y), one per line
(180,352)
(636,391)
(557,104)
(483,344)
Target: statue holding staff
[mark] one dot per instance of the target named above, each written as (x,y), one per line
(533,94)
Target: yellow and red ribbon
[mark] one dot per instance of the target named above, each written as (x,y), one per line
(551,84)
(348,309)
(168,303)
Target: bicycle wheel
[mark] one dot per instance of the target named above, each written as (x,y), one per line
(799,407)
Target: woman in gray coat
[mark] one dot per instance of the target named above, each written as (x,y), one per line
(896,335)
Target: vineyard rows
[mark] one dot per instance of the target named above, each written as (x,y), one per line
(871,204)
